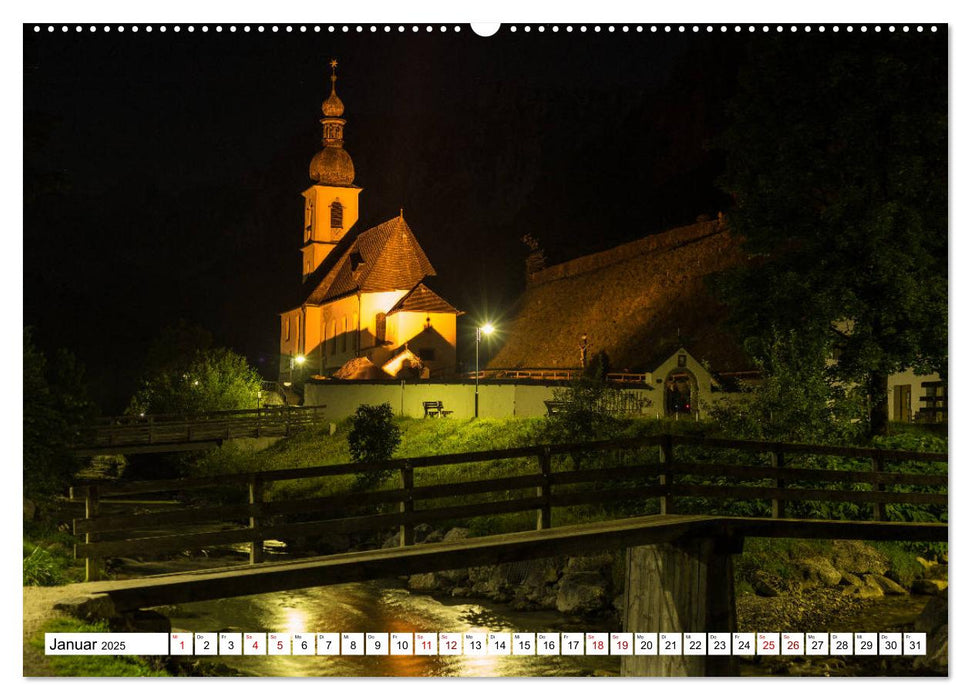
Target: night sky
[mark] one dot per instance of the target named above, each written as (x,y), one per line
(163,171)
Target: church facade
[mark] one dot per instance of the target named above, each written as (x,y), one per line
(365,309)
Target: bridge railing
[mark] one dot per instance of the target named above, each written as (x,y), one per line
(160,429)
(646,472)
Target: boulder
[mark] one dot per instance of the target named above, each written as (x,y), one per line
(817,571)
(88,607)
(493,582)
(456,533)
(423,582)
(928,586)
(849,579)
(865,590)
(858,558)
(434,536)
(888,586)
(766,586)
(582,592)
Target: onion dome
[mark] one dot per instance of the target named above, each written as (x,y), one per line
(332,165)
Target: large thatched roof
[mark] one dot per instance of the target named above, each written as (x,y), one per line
(636,301)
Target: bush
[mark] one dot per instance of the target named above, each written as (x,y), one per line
(374,437)
(796,401)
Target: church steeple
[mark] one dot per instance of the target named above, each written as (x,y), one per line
(331,203)
(332,165)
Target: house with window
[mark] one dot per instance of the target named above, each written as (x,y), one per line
(364,293)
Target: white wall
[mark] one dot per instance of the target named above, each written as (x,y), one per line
(495,400)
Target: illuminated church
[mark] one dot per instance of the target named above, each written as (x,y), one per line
(365,309)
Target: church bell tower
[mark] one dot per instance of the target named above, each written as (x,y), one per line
(331,204)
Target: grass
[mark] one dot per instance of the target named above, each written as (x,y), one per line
(88,666)
(49,557)
(317,447)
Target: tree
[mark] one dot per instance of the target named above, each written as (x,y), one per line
(211,380)
(837,159)
(56,406)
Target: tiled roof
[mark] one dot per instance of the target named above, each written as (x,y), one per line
(638,302)
(421,298)
(380,259)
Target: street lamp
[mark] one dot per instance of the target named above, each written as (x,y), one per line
(296,362)
(486,329)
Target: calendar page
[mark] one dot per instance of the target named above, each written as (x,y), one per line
(529,349)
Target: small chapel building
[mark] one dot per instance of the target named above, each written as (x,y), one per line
(364,298)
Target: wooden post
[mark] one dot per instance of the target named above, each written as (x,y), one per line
(259,424)
(92,505)
(544,516)
(256,520)
(151,429)
(666,478)
(684,586)
(778,505)
(879,509)
(407,505)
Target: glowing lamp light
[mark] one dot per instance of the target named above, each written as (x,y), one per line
(488,329)
(300,359)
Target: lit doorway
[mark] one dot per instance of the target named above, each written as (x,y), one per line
(680,390)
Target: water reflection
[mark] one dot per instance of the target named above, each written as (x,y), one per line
(383,606)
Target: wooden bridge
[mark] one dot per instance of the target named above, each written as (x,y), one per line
(676,514)
(180,432)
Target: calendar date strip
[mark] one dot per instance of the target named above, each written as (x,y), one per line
(484,643)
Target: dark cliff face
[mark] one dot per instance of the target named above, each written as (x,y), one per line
(635,302)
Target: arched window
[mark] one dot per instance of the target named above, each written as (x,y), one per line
(336,214)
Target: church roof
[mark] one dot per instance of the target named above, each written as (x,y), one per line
(637,302)
(421,298)
(379,259)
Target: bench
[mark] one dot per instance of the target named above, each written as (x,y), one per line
(554,407)
(435,408)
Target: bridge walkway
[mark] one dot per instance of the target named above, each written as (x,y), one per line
(224,582)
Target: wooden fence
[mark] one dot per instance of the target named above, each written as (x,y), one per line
(556,476)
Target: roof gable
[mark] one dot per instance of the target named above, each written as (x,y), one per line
(381,259)
(421,298)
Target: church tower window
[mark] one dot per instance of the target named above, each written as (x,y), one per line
(308,219)
(337,215)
